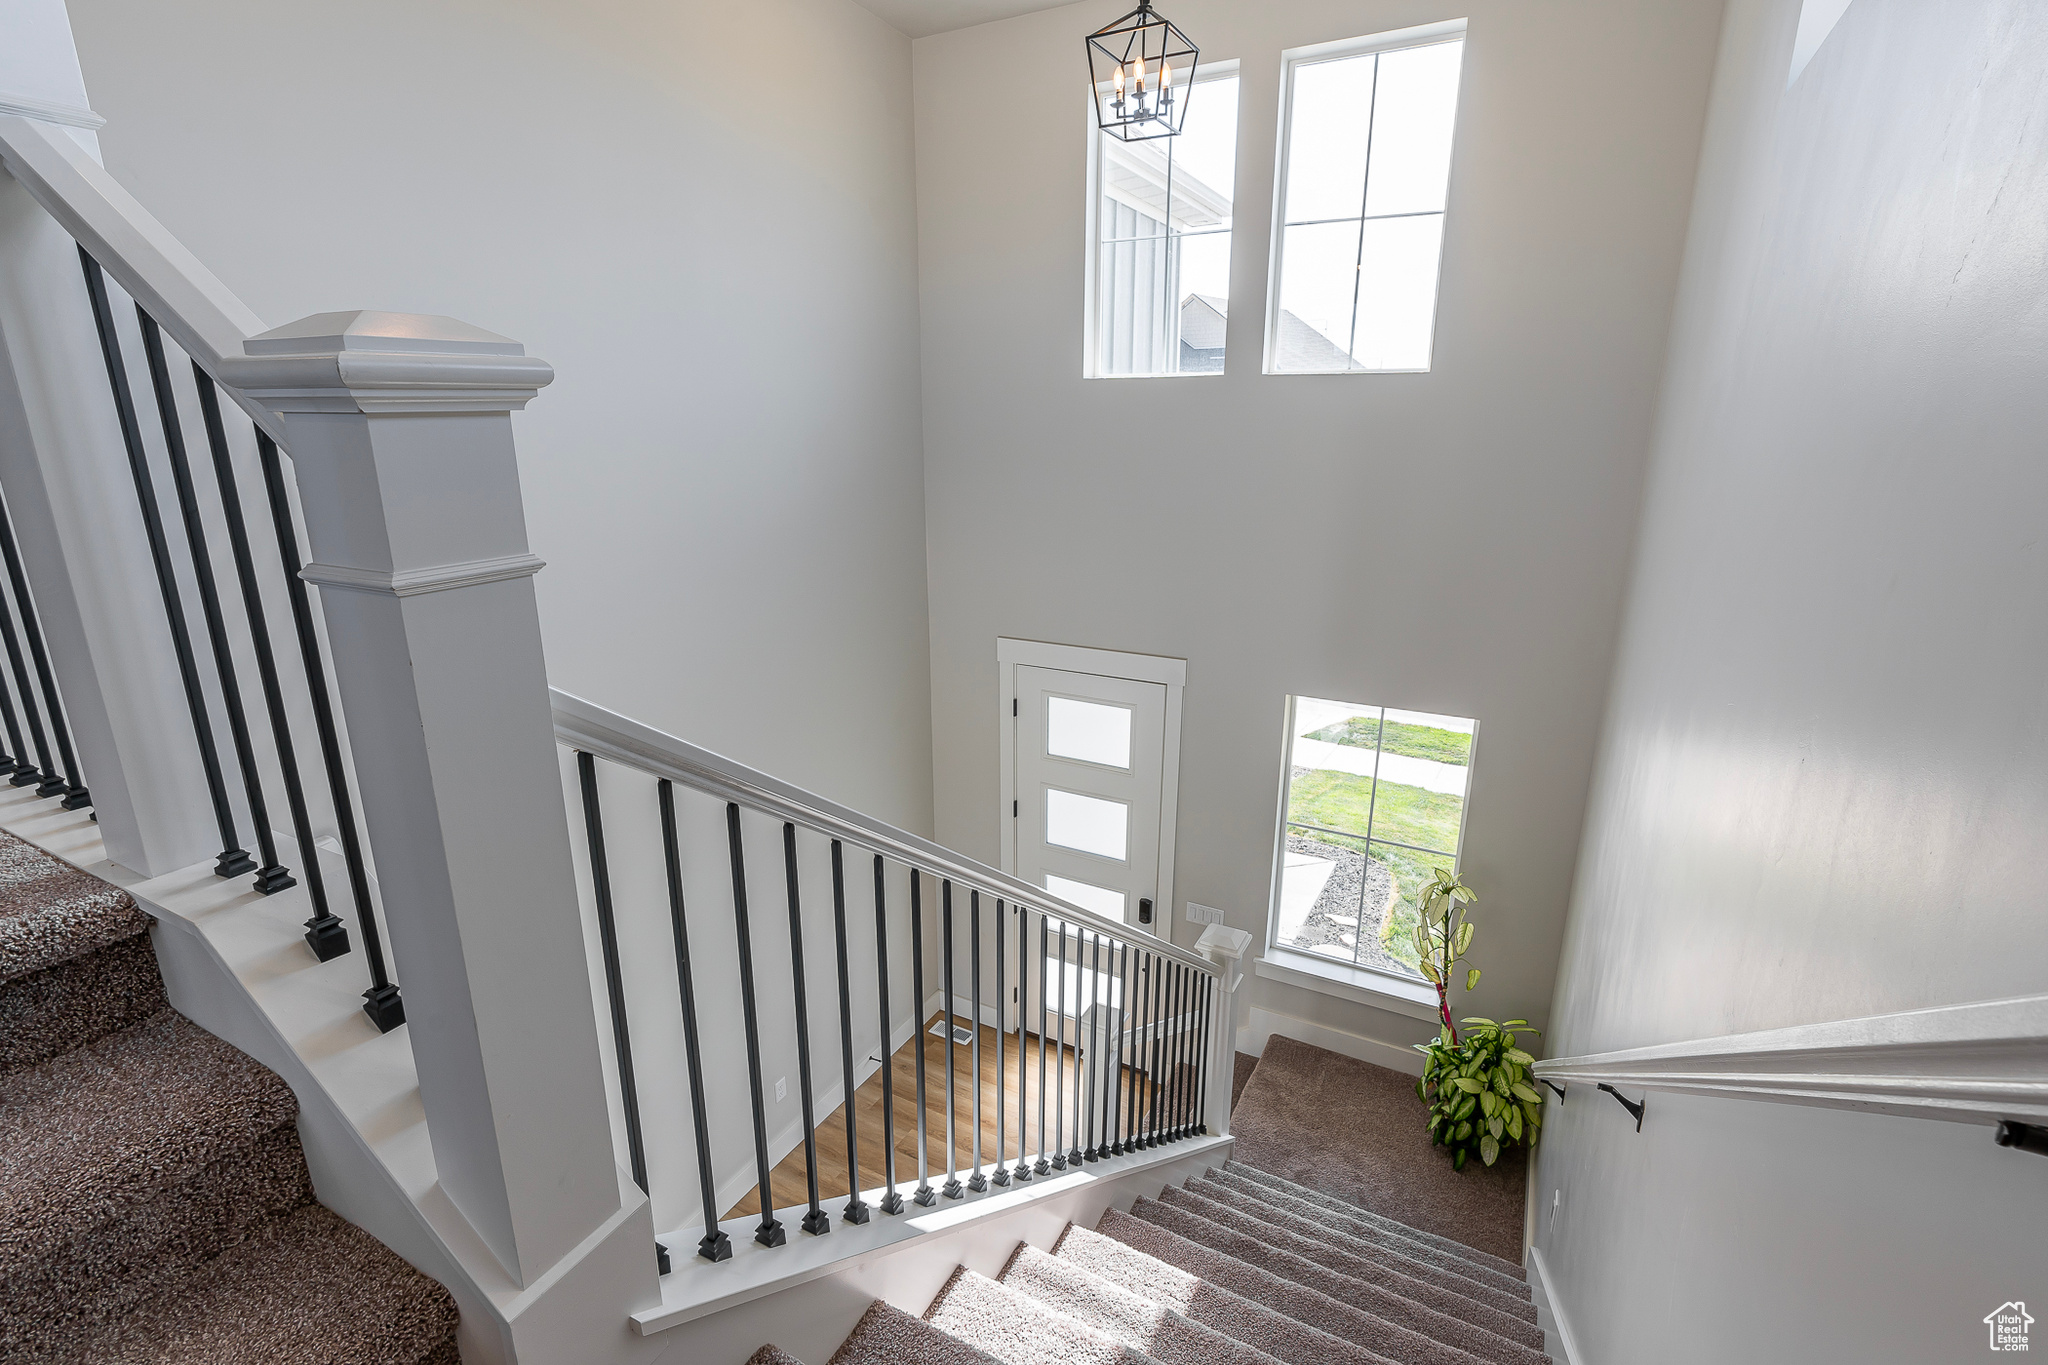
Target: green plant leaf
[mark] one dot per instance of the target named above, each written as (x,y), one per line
(1458,1161)
(1464,1131)
(1514,1116)
(1516,1054)
(1465,932)
(1489,1150)
(1468,1085)
(1475,1019)
(1527,1092)
(1496,1125)
(1471,978)
(1429,970)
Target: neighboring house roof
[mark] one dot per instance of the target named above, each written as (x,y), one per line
(1300,346)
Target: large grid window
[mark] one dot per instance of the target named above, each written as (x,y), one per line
(1365,166)
(1160,277)
(1375,804)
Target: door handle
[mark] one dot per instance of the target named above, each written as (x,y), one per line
(1144,909)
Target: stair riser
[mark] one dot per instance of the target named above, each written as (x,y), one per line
(77,1001)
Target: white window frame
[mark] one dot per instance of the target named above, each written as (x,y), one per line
(1092,249)
(1108,663)
(1422,35)
(1410,995)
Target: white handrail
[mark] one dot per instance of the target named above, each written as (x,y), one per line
(589,727)
(187,300)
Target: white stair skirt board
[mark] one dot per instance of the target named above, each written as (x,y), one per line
(1558,1340)
(697,1288)
(1265,1023)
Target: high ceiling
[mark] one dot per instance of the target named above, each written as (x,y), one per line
(921,17)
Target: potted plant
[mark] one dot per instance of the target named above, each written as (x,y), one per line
(1477,1087)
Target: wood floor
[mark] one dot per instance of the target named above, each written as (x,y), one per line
(787,1181)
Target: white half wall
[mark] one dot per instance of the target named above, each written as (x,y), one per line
(1824,770)
(1454,542)
(702,215)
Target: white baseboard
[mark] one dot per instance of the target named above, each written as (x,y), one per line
(1265,1023)
(1550,1315)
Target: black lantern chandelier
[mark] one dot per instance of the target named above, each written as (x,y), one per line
(1143,68)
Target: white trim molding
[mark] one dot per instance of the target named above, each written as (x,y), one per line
(49,111)
(412,582)
(1974,1063)
(1550,1316)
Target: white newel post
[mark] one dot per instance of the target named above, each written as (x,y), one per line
(400,433)
(1225,947)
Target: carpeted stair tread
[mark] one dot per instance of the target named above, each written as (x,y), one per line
(1307,1240)
(886,1335)
(771,1354)
(91,1136)
(72,1002)
(1359,1213)
(1359,1234)
(1285,1338)
(1138,1322)
(305,1289)
(1420,1308)
(1019,1330)
(51,912)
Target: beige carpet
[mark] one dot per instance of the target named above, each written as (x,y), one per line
(1357,1131)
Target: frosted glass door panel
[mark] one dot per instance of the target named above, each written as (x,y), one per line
(1089,731)
(1100,899)
(1087,824)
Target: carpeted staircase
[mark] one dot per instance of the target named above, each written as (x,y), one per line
(1237,1267)
(155,1205)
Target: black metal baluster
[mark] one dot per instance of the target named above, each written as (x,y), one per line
(1159,965)
(614,982)
(233,860)
(76,797)
(15,766)
(856,1210)
(1201,1111)
(43,773)
(1075,1154)
(1122,954)
(713,1245)
(1002,1171)
(1059,1063)
(1180,1050)
(815,1221)
(1090,1150)
(271,877)
(1041,1166)
(952,1188)
(892,1202)
(381,1002)
(976,1182)
(769,1233)
(324,932)
(1133,1104)
(924,1193)
(1022,1171)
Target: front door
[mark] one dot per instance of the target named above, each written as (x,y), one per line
(1090,772)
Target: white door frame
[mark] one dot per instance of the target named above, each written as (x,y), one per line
(1107,663)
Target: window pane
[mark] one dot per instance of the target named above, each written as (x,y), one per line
(1205,300)
(1394,905)
(1089,731)
(1413,115)
(1083,987)
(1396,292)
(1087,824)
(1327,139)
(1205,157)
(1319,279)
(1100,899)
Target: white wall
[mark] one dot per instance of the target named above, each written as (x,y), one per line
(1825,767)
(702,214)
(1452,542)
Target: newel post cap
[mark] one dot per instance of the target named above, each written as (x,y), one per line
(1223,944)
(373,361)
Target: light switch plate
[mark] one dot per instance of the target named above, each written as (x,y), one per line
(1204,914)
(782,1087)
